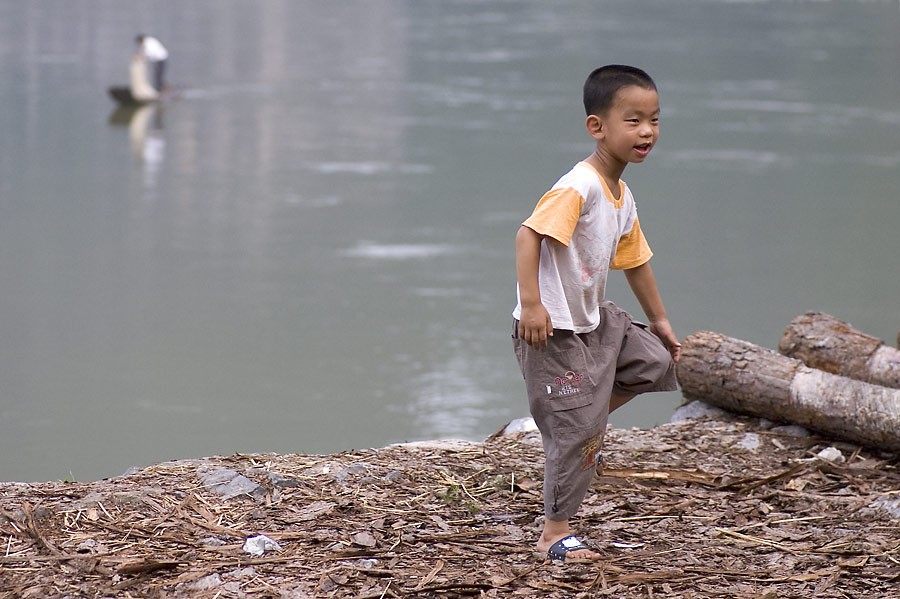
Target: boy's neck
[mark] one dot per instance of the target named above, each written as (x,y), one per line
(610,171)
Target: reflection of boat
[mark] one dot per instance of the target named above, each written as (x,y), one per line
(140,92)
(123,96)
(124,113)
(145,126)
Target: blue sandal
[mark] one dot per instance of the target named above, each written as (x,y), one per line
(561,548)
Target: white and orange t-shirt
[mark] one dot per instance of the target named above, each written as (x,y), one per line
(587,232)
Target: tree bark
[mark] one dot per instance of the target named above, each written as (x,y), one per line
(824,342)
(743,377)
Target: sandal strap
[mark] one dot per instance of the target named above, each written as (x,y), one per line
(562,547)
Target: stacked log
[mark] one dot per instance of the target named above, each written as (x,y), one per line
(824,342)
(743,377)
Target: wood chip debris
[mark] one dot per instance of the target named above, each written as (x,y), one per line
(682,510)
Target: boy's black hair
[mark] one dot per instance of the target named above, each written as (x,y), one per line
(602,84)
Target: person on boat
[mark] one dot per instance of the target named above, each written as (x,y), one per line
(141,91)
(152,50)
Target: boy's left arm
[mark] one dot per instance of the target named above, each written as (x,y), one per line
(643,285)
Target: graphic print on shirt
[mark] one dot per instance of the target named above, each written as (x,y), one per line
(593,255)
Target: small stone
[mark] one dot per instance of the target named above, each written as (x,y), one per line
(260,544)
(229,483)
(832,454)
(352,470)
(282,482)
(889,504)
(697,409)
(241,573)
(750,442)
(207,583)
(393,476)
(520,425)
(791,430)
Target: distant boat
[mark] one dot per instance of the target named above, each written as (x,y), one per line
(140,91)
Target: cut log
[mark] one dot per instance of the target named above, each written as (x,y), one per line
(822,341)
(743,377)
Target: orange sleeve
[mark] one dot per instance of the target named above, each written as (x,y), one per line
(633,249)
(556,214)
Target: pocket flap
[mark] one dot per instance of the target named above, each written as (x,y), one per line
(560,404)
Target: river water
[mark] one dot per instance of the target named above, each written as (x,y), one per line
(311,250)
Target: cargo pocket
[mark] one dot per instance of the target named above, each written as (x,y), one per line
(572,414)
(559,389)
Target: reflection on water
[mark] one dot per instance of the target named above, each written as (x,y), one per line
(145,135)
(311,249)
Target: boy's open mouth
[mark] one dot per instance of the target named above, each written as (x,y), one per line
(643,149)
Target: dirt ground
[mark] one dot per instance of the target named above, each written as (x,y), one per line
(705,508)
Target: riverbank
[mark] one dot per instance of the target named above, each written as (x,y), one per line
(725,507)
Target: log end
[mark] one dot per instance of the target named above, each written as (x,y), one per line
(827,343)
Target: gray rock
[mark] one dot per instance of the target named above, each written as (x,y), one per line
(283,482)
(242,573)
(832,454)
(887,503)
(393,476)
(792,430)
(40,512)
(88,501)
(207,583)
(212,542)
(750,442)
(697,409)
(352,470)
(520,425)
(229,483)
(260,544)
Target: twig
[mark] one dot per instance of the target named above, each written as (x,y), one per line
(756,540)
(453,586)
(746,485)
(430,576)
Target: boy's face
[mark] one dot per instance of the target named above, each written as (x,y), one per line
(630,129)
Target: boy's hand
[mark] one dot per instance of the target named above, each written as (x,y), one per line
(663,330)
(535,326)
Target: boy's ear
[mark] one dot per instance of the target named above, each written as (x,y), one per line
(594,126)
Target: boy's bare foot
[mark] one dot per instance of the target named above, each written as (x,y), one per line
(565,548)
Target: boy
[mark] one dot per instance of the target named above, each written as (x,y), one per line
(581,356)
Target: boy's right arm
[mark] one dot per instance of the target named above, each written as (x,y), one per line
(534,323)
